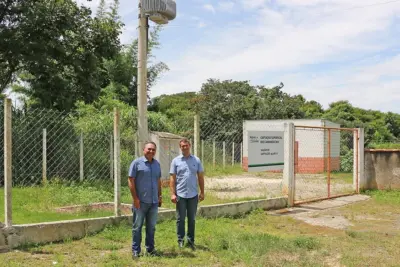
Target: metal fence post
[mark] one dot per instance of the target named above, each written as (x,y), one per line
(117,165)
(202,151)
(214,153)
(329,163)
(241,154)
(7,162)
(44,157)
(196,134)
(111,158)
(223,155)
(81,157)
(288,171)
(233,153)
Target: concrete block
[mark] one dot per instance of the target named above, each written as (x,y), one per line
(166,215)
(50,232)
(9,231)
(2,239)
(98,224)
(232,209)
(14,240)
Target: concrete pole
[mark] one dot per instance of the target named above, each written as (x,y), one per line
(143,131)
(7,162)
(44,157)
(288,187)
(117,166)
(359,181)
(196,134)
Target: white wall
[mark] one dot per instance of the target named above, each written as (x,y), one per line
(312,142)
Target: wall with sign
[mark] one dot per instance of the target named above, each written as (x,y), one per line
(311,145)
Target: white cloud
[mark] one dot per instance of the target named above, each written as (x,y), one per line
(290,40)
(226,6)
(209,7)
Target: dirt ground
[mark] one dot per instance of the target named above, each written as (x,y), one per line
(269,185)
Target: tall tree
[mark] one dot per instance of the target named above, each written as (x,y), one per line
(57,50)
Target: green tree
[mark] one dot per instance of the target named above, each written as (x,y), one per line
(54,51)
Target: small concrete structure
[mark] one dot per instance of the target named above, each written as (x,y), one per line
(311,145)
(40,233)
(381,169)
(167,149)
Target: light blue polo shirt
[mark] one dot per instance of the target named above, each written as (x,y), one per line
(146,176)
(186,170)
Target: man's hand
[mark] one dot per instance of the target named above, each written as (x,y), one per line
(159,201)
(136,203)
(201,196)
(173,198)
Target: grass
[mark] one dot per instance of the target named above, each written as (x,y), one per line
(257,239)
(384,146)
(219,171)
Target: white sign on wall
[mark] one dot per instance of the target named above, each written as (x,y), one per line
(265,150)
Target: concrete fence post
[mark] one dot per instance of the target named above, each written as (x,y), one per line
(111,158)
(117,165)
(81,157)
(359,181)
(7,162)
(196,134)
(44,157)
(288,170)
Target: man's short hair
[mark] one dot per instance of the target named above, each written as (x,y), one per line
(185,141)
(149,142)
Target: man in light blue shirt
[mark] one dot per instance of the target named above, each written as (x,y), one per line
(145,185)
(186,173)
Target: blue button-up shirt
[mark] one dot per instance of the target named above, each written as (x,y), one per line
(186,170)
(146,176)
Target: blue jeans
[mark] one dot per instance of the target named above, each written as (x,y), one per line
(186,206)
(149,212)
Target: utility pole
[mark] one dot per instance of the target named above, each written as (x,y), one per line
(143,131)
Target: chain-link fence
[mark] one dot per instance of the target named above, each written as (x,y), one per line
(324,162)
(59,169)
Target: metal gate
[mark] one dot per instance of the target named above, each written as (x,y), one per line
(326,163)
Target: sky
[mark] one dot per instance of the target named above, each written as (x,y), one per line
(326,50)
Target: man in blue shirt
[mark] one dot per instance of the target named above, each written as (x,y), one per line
(145,186)
(186,172)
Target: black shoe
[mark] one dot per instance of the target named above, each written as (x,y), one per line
(192,246)
(153,253)
(180,244)
(135,255)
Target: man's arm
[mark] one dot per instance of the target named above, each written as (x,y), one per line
(132,188)
(172,181)
(172,187)
(200,177)
(132,184)
(159,192)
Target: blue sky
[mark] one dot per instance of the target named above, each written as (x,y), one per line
(326,50)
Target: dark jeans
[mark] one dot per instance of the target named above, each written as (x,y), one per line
(186,206)
(149,213)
